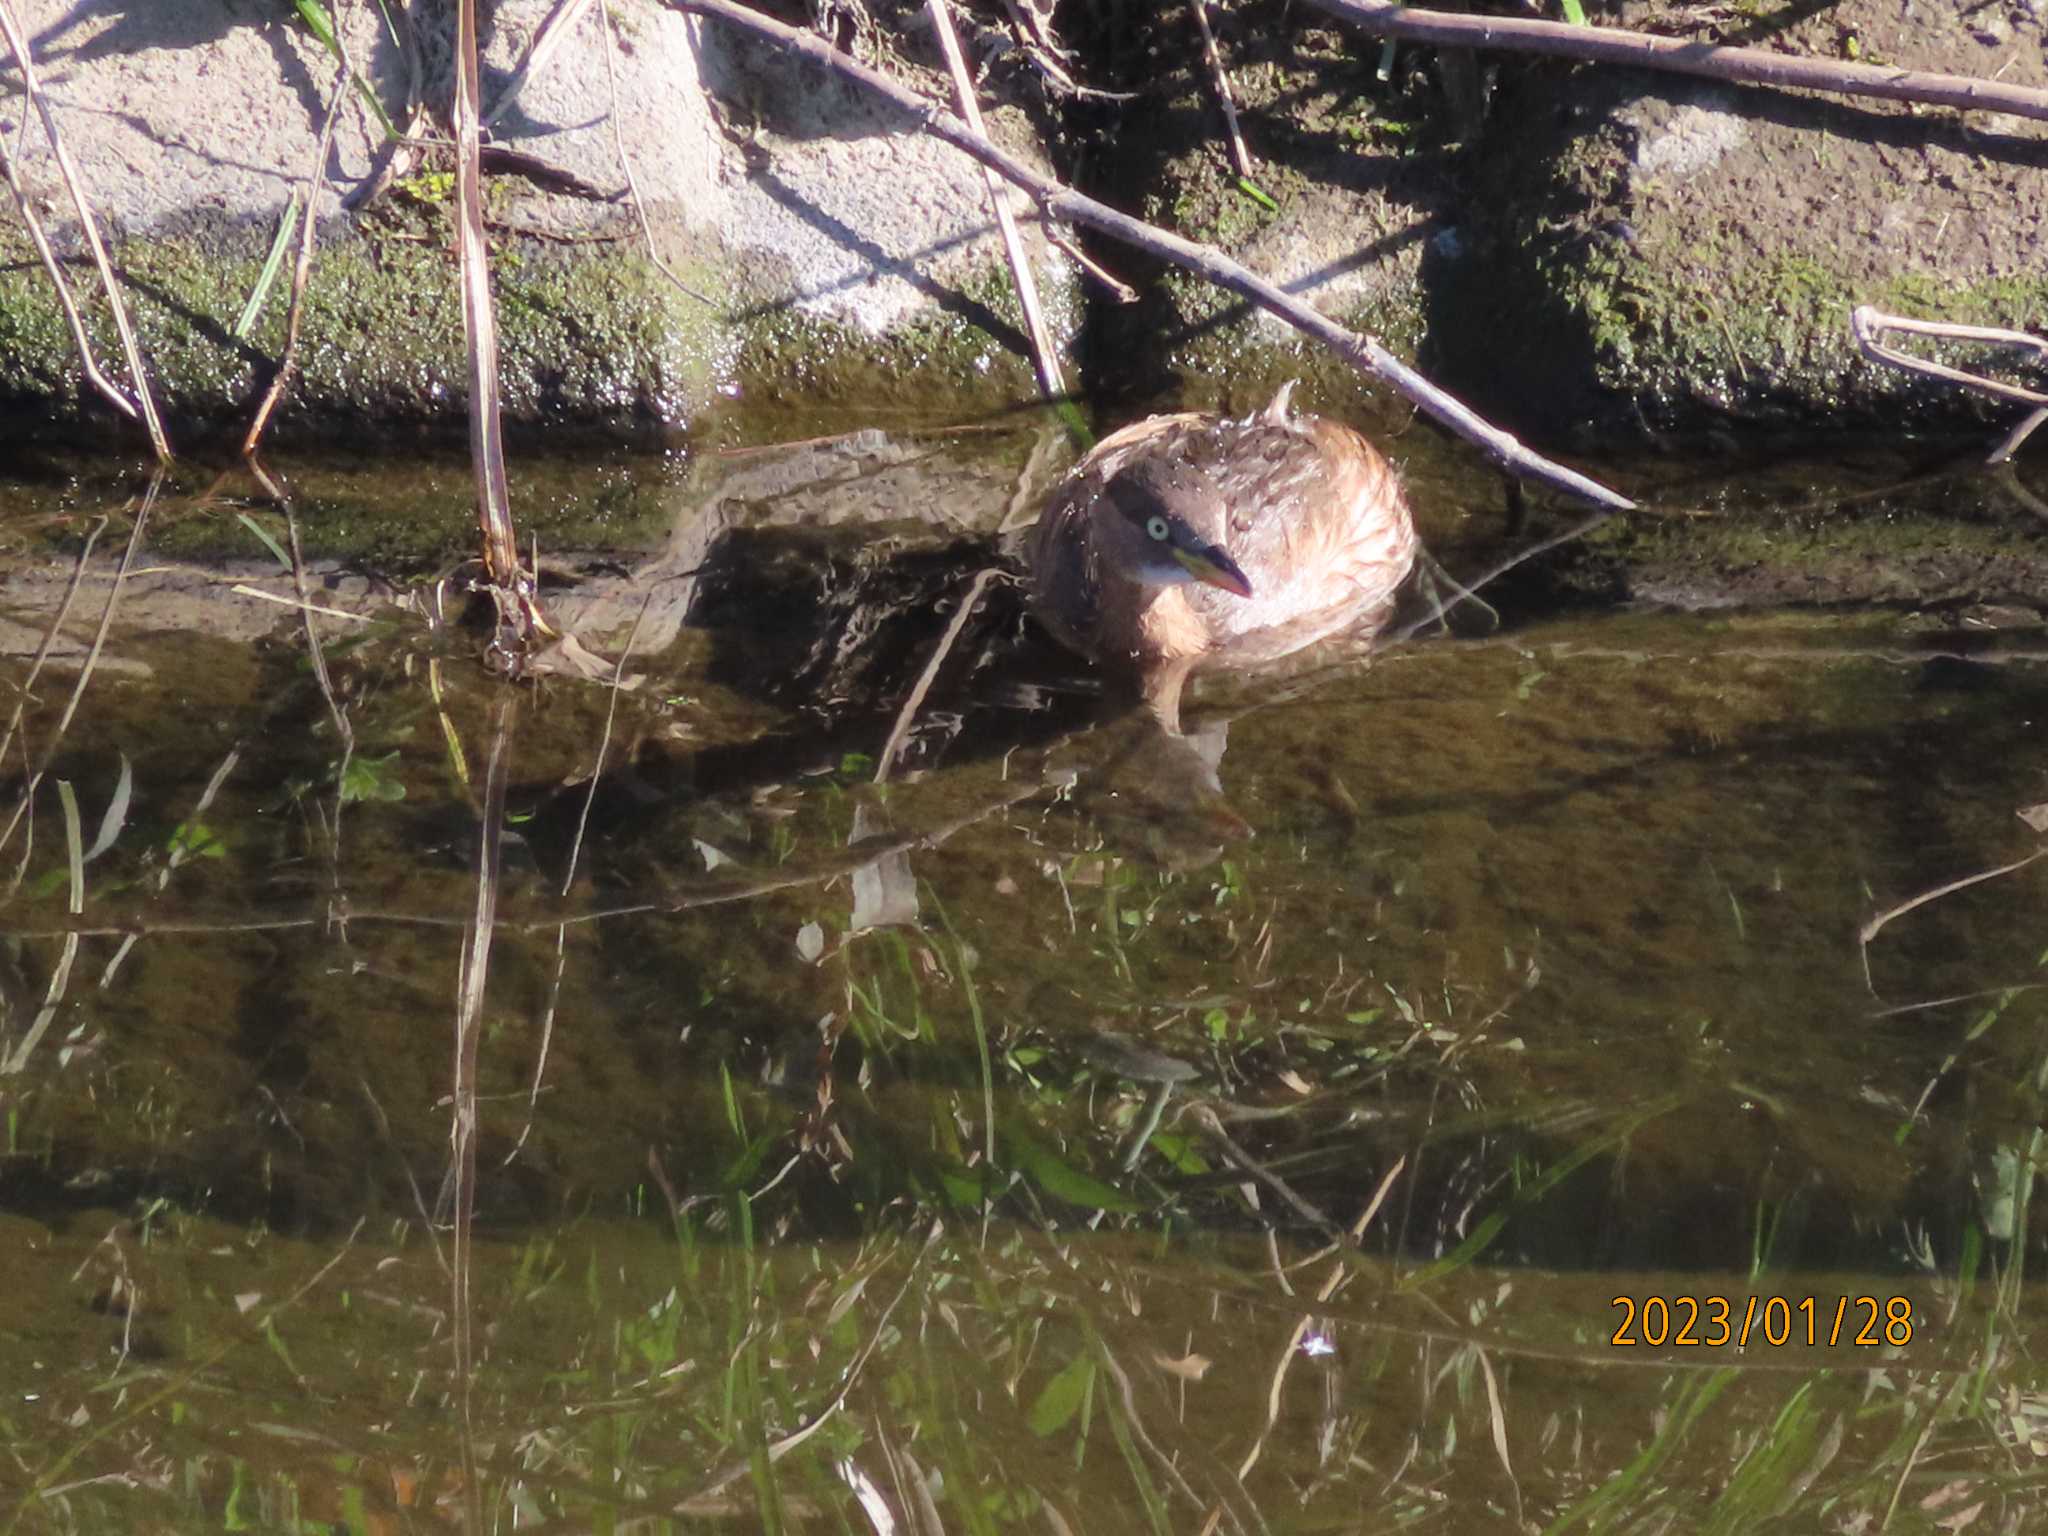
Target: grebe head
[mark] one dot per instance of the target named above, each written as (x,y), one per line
(1159,524)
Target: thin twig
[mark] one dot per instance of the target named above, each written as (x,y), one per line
(552,34)
(1875,926)
(908,713)
(1867,325)
(2010,443)
(113,392)
(1238,153)
(611,73)
(1059,202)
(1470,592)
(604,742)
(710,893)
(302,269)
(1119,290)
(50,636)
(243,589)
(17,42)
(1751,66)
(1043,352)
(60,976)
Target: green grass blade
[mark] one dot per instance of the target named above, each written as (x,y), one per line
(272,265)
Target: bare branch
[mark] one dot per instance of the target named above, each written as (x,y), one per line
(68,169)
(1059,202)
(1749,66)
(302,269)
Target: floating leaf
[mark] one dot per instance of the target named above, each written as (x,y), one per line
(1062,1397)
(1059,1178)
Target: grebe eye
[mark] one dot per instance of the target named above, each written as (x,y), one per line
(1157,528)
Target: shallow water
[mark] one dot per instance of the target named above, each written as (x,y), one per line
(1562,956)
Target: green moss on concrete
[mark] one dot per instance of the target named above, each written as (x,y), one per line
(1590,297)
(593,334)
(1765,335)
(785,357)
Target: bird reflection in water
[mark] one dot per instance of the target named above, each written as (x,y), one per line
(1192,542)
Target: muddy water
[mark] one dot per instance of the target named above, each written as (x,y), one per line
(1563,955)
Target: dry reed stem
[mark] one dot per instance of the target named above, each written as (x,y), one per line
(1057,201)
(462,1124)
(1241,156)
(17,42)
(1044,355)
(302,269)
(1749,66)
(479,320)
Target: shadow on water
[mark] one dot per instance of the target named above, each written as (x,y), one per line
(1283,1127)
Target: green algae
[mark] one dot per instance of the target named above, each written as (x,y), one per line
(589,335)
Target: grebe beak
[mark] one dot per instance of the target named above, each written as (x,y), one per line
(1213,568)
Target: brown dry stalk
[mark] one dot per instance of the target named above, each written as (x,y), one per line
(479,319)
(1057,201)
(1043,353)
(114,394)
(1238,153)
(17,43)
(287,362)
(1867,325)
(1749,66)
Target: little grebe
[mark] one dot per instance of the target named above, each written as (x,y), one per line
(1195,540)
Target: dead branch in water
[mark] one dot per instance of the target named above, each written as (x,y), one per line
(17,43)
(1867,325)
(1057,201)
(1715,61)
